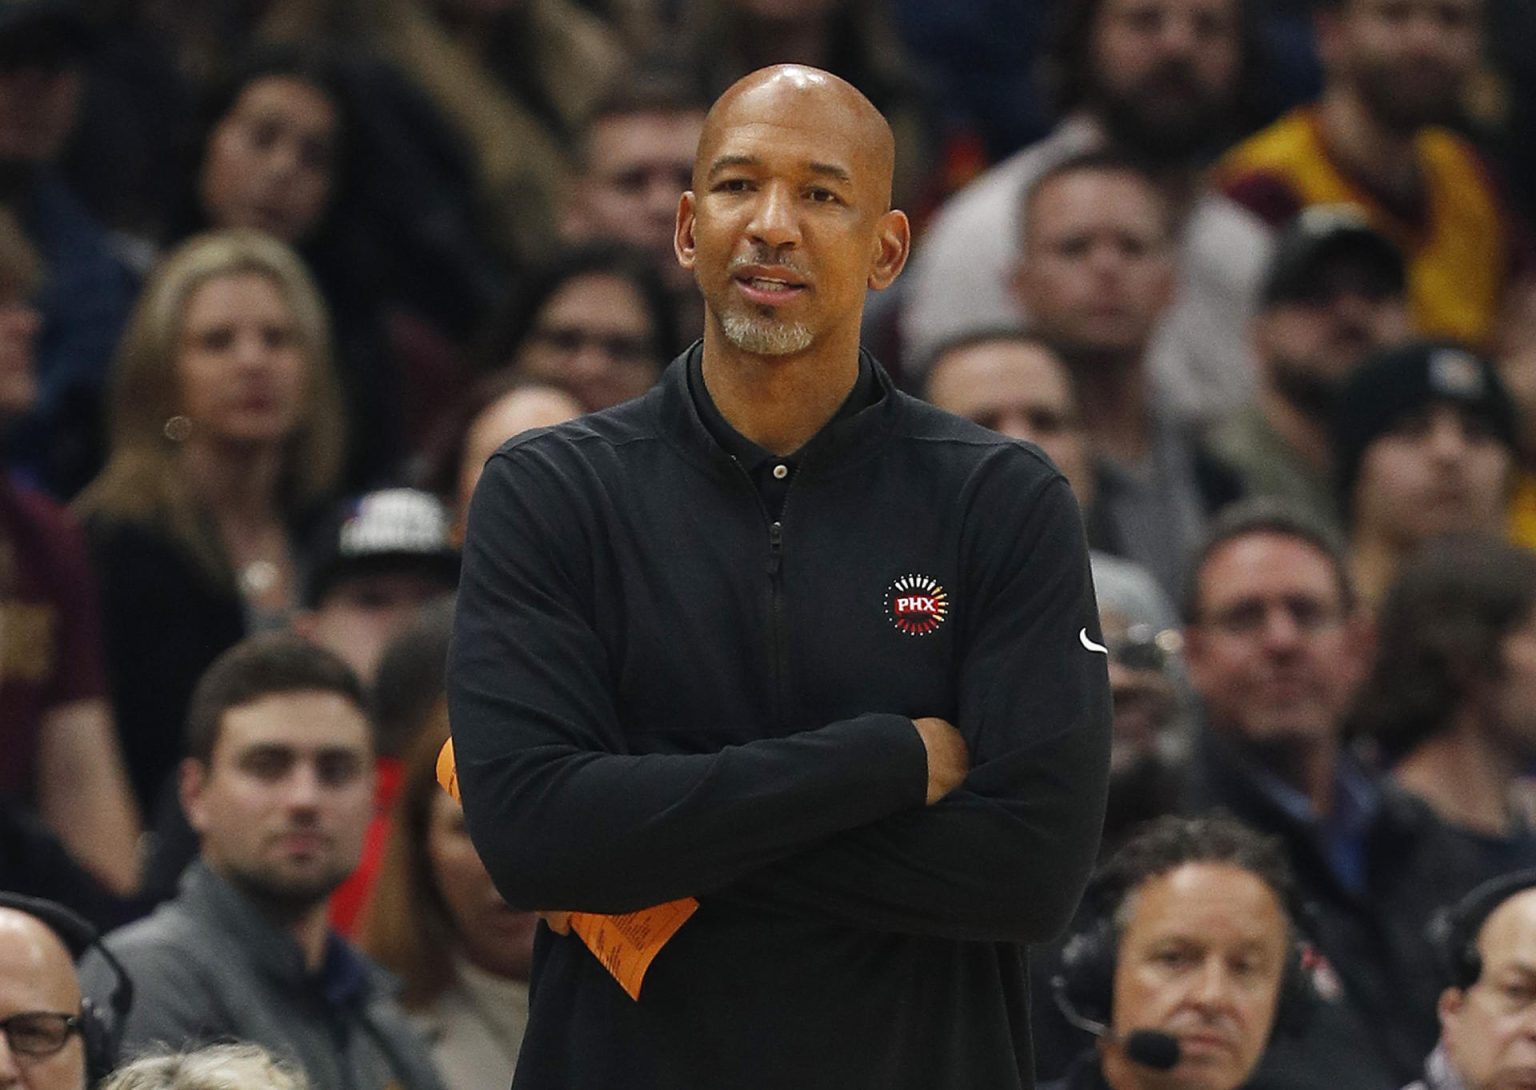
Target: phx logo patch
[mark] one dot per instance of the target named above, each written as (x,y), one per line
(916,604)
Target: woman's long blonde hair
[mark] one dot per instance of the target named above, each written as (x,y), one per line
(141,481)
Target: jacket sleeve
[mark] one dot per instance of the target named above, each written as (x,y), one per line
(563,816)
(1004,858)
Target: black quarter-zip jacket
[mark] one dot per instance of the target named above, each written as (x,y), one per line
(657,690)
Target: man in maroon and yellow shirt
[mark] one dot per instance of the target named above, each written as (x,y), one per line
(1396,70)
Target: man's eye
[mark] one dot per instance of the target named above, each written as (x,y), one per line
(822,196)
(733,185)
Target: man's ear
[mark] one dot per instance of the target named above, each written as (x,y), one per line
(893,245)
(1449,1006)
(682,236)
(192,784)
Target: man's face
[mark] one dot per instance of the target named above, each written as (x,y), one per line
(1489,1029)
(787,226)
(360,615)
(1408,60)
(1202,954)
(637,167)
(1438,470)
(1309,346)
(283,804)
(37,975)
(1163,73)
(1018,388)
(1272,653)
(1096,270)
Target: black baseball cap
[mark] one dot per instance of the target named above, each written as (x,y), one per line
(387,530)
(1321,237)
(1402,380)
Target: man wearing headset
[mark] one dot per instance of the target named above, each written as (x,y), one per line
(1185,959)
(51,1038)
(1488,1013)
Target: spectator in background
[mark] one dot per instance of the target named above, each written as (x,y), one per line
(226,439)
(1096,274)
(1451,699)
(1276,645)
(61,756)
(1425,438)
(216,1067)
(1487,947)
(594,322)
(278,784)
(518,82)
(1395,73)
(636,160)
(1333,295)
(1162,82)
(436,921)
(375,563)
(277,153)
(1186,932)
(854,39)
(85,297)
(496,408)
(40,1002)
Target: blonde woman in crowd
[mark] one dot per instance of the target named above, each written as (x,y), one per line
(437,922)
(225,433)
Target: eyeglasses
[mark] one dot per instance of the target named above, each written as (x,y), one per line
(1143,647)
(1251,616)
(617,346)
(38,1033)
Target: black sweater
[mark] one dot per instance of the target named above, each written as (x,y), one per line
(658,692)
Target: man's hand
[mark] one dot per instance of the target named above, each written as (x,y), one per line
(948,758)
(558,922)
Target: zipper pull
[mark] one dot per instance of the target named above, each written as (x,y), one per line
(775,546)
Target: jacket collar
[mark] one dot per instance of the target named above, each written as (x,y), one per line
(842,443)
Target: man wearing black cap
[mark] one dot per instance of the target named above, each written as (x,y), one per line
(380,559)
(1333,293)
(1425,439)
(85,298)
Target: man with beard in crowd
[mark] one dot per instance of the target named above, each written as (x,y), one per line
(1395,72)
(1157,81)
(1333,294)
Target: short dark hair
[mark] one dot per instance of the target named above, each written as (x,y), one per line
(654,88)
(1440,631)
(1167,843)
(1267,515)
(1096,161)
(992,334)
(262,665)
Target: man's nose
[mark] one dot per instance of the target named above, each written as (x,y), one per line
(773,217)
(1212,986)
(1448,439)
(1176,38)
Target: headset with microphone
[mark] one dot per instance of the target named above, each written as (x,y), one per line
(1084,988)
(1453,930)
(101,1031)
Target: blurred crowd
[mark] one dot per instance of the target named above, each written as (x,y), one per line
(277,277)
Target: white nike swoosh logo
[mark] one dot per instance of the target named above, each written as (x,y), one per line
(1090,645)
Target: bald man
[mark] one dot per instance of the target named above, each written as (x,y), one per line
(811,664)
(41,1046)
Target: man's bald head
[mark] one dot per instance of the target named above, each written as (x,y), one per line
(784,91)
(37,973)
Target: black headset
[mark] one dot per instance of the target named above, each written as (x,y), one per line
(101,1032)
(1087,978)
(1453,930)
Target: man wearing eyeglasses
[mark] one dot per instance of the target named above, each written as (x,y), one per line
(40,1042)
(1277,645)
